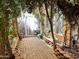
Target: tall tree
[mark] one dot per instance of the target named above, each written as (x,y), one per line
(50,17)
(68,9)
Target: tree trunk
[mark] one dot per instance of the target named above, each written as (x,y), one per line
(70,42)
(16,29)
(51,26)
(51,21)
(2,46)
(2,49)
(78,33)
(65,37)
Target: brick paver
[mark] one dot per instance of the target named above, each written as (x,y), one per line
(34,48)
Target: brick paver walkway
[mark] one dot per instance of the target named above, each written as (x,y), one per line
(34,48)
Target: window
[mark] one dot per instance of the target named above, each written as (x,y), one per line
(58,23)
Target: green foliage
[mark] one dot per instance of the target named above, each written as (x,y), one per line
(10,9)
